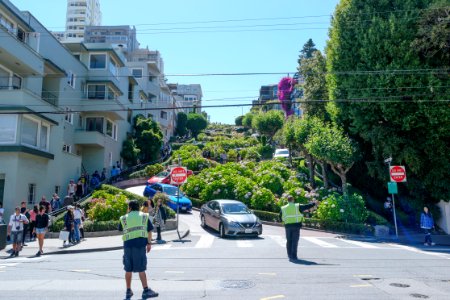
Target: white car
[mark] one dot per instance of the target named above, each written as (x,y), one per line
(281,153)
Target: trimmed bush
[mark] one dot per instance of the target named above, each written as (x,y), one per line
(336,208)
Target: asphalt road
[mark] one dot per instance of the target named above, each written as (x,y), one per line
(207,267)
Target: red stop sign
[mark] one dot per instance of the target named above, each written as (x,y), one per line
(178,175)
(397,173)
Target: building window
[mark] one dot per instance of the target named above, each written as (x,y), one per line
(44,136)
(129,115)
(71,77)
(137,73)
(67,148)
(97,61)
(94,124)
(16,82)
(30,129)
(68,117)
(110,158)
(31,193)
(96,91)
(57,189)
(109,128)
(115,132)
(8,129)
(163,115)
(113,67)
(111,95)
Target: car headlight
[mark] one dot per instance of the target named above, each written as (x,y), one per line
(233,224)
(258,222)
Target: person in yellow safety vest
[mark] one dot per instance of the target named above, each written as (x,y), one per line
(292,217)
(137,237)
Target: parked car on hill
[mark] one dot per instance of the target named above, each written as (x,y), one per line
(281,153)
(164,177)
(185,204)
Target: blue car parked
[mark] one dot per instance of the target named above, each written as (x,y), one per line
(184,203)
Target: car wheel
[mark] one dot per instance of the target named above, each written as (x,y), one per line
(222,231)
(203,222)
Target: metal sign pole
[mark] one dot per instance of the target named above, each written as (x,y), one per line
(178,211)
(395,218)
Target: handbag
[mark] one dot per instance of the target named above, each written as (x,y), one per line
(63,235)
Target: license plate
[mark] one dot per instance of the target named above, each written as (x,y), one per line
(248,230)
(183,208)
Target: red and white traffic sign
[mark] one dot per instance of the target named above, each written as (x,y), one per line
(397,173)
(178,175)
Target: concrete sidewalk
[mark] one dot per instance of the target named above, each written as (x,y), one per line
(94,244)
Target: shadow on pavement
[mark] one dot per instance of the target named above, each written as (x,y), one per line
(309,263)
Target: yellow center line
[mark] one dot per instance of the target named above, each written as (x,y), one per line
(273,297)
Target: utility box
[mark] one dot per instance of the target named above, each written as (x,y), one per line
(3,232)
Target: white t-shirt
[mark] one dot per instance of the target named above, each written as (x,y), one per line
(77,214)
(2,211)
(14,222)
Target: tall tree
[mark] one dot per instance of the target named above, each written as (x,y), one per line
(308,49)
(196,123)
(386,61)
(181,123)
(329,144)
(268,123)
(130,152)
(238,120)
(313,71)
(148,138)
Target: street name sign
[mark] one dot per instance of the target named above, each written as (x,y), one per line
(397,173)
(392,188)
(178,175)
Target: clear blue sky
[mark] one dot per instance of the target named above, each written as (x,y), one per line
(253,46)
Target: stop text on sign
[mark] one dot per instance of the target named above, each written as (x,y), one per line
(397,173)
(178,175)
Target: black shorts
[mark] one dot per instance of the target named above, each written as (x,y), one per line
(135,259)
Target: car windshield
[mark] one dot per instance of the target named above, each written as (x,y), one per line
(282,152)
(162,174)
(235,208)
(172,191)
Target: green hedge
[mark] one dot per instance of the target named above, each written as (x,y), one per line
(266,215)
(113,190)
(90,226)
(342,227)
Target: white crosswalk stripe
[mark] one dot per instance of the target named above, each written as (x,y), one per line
(244,244)
(205,241)
(319,242)
(360,244)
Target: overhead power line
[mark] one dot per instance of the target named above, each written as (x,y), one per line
(355,101)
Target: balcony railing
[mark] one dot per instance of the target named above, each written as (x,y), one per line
(49,97)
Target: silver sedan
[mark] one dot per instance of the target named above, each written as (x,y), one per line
(230,218)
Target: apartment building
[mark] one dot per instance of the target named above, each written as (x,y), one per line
(120,37)
(147,67)
(64,109)
(191,95)
(80,13)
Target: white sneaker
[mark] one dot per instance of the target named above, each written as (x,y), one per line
(432,244)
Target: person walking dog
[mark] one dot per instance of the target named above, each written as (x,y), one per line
(427,224)
(292,217)
(137,237)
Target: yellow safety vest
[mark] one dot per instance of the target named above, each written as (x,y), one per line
(134,225)
(291,214)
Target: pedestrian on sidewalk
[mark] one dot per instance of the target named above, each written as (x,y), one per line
(42,220)
(15,230)
(46,204)
(137,236)
(427,224)
(160,217)
(77,214)
(292,217)
(2,211)
(26,227)
(71,188)
(33,213)
(55,203)
(69,225)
